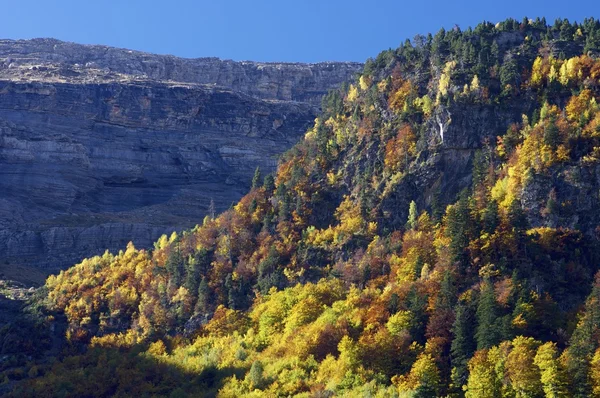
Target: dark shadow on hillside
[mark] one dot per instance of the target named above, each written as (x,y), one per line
(36,360)
(27,336)
(108,372)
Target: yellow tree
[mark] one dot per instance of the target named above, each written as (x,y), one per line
(524,376)
(552,373)
(482,382)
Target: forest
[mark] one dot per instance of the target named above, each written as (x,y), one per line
(434,234)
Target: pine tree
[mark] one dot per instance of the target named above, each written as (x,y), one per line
(437,209)
(174,266)
(269,184)
(490,218)
(256,179)
(582,344)
(458,228)
(486,333)
(417,305)
(211,209)
(204,297)
(552,134)
(269,274)
(463,344)
(192,275)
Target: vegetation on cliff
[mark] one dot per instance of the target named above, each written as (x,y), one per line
(328,278)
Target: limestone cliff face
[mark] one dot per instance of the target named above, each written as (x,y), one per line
(282,81)
(93,157)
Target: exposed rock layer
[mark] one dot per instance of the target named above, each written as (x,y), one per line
(94,156)
(282,81)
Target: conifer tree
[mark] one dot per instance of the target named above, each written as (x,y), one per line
(256,179)
(486,333)
(458,228)
(204,299)
(490,217)
(582,344)
(463,344)
(174,266)
(192,275)
(269,184)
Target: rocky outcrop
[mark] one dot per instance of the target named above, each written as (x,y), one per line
(281,81)
(93,157)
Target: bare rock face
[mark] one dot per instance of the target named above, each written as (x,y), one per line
(134,145)
(281,81)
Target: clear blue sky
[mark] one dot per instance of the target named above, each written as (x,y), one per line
(273,30)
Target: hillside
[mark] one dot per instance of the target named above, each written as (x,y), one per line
(101,146)
(435,233)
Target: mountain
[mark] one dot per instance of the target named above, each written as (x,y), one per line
(101,146)
(435,233)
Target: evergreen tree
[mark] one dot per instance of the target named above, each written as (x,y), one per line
(509,74)
(211,209)
(174,266)
(458,222)
(192,275)
(486,333)
(490,218)
(463,344)
(516,217)
(204,297)
(269,273)
(552,134)
(583,344)
(417,305)
(256,179)
(437,207)
(269,184)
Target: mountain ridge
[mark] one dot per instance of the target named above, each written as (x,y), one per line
(261,79)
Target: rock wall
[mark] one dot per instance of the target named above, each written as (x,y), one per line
(91,159)
(282,81)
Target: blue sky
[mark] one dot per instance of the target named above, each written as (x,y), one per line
(273,30)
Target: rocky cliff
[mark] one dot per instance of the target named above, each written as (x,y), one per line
(100,146)
(282,81)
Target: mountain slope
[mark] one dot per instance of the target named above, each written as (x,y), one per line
(435,233)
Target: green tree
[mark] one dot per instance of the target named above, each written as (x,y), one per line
(192,274)
(269,184)
(174,266)
(463,343)
(552,133)
(204,297)
(583,344)
(486,333)
(412,215)
(509,74)
(256,179)
(255,375)
(458,222)
(490,217)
